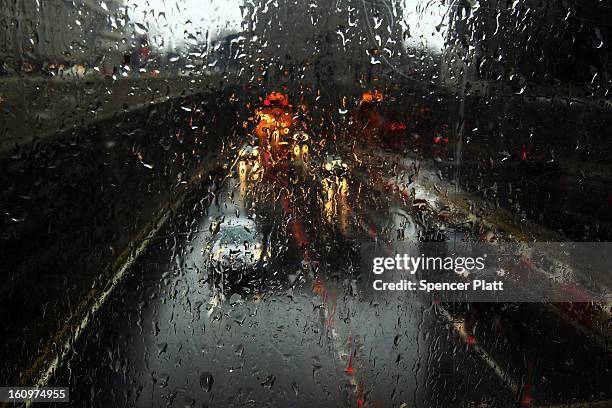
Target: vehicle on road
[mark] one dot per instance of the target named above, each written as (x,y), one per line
(249,164)
(274,125)
(237,251)
(368,117)
(335,173)
(301,146)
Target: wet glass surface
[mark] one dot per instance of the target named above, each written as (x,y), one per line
(187,186)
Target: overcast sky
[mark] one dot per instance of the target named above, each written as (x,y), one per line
(173,23)
(422,18)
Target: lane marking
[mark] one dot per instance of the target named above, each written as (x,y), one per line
(600,336)
(115,280)
(484,355)
(506,379)
(130,256)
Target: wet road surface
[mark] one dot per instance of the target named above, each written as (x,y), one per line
(308,330)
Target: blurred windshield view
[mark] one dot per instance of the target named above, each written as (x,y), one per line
(192,190)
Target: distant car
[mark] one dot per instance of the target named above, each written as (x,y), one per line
(335,174)
(274,124)
(249,162)
(300,146)
(249,153)
(237,251)
(395,133)
(334,166)
(367,117)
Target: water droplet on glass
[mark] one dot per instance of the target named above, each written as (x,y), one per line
(206,381)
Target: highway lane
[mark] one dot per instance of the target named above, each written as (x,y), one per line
(312,334)
(310,331)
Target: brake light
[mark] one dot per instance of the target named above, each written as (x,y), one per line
(376,96)
(396,126)
(524,153)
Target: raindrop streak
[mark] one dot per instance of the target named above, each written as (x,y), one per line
(206,381)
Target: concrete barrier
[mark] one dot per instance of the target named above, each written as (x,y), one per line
(76,203)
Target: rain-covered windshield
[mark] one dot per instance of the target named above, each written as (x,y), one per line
(318,203)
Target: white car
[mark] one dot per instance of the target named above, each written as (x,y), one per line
(237,251)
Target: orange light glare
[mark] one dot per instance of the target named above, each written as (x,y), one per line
(374,96)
